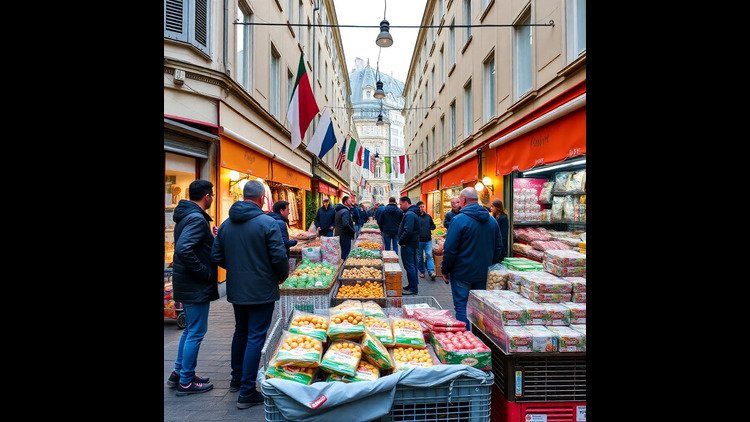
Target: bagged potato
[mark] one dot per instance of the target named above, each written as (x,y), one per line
(381,329)
(346,321)
(342,358)
(373,309)
(374,352)
(408,357)
(315,326)
(407,333)
(298,350)
(365,372)
(292,373)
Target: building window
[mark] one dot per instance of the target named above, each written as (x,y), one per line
(441,8)
(274,82)
(188,21)
(426,93)
(432,77)
(289,85)
(442,135)
(489,88)
(523,50)
(317,65)
(427,157)
(467,19)
(290,11)
(434,146)
(453,124)
(468,115)
(300,20)
(309,38)
(325,76)
(442,65)
(244,47)
(576,23)
(432,30)
(453,42)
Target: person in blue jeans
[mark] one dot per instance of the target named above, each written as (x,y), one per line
(472,244)
(408,239)
(250,246)
(194,283)
(389,222)
(424,254)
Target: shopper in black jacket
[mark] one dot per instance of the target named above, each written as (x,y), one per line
(324,219)
(193,283)
(455,209)
(344,226)
(389,222)
(424,253)
(408,239)
(498,211)
(280,213)
(249,245)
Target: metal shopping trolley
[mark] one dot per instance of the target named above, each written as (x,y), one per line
(172,309)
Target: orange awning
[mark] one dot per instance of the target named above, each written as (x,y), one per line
(463,173)
(289,176)
(238,157)
(560,139)
(429,185)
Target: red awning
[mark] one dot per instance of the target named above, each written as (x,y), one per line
(463,173)
(560,139)
(429,185)
(326,188)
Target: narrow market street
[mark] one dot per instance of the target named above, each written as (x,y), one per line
(213,361)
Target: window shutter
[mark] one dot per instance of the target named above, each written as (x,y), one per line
(199,25)
(175,19)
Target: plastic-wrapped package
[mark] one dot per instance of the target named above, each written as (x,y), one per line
(542,339)
(346,321)
(537,314)
(558,314)
(375,352)
(422,314)
(545,297)
(579,284)
(545,196)
(568,208)
(365,372)
(408,357)
(565,258)
(557,208)
(579,297)
(577,182)
(292,373)
(381,329)
(577,312)
(371,308)
(536,254)
(330,249)
(581,328)
(409,308)
(542,283)
(407,333)
(315,326)
(561,181)
(569,340)
(514,339)
(299,350)
(561,271)
(462,348)
(311,254)
(342,357)
(497,277)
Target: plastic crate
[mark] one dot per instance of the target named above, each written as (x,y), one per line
(304,302)
(537,377)
(463,399)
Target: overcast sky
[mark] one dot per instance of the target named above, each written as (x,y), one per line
(360,42)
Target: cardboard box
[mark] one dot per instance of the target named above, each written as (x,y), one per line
(438,262)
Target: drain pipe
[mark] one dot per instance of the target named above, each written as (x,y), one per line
(226,34)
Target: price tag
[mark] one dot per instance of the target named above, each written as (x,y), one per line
(519,383)
(536,418)
(580,413)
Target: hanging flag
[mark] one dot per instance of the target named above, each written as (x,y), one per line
(395,165)
(302,106)
(403,163)
(340,160)
(388,165)
(324,137)
(352,149)
(359,155)
(361,181)
(367,158)
(372,166)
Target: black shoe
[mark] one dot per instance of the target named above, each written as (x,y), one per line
(408,292)
(234,385)
(244,402)
(193,388)
(432,276)
(174,378)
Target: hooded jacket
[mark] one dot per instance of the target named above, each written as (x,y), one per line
(282,222)
(390,220)
(408,230)
(354,211)
(362,216)
(193,273)
(449,217)
(472,244)
(344,226)
(426,225)
(324,218)
(250,247)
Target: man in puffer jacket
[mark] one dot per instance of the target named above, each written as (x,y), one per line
(250,247)
(424,253)
(389,222)
(472,244)
(280,213)
(344,226)
(194,283)
(408,239)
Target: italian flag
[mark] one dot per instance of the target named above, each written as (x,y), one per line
(302,106)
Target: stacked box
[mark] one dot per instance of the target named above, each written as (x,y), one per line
(561,271)
(527,339)
(579,284)
(537,314)
(546,297)
(565,263)
(480,358)
(558,314)
(390,256)
(578,297)
(569,340)
(577,312)
(393,276)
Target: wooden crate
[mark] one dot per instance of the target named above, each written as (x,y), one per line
(393,279)
(390,256)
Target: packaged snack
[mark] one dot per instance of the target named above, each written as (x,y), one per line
(577,312)
(315,326)
(578,297)
(292,373)
(342,357)
(374,352)
(435,321)
(557,209)
(408,357)
(408,309)
(542,339)
(569,340)
(381,329)
(545,297)
(564,271)
(565,258)
(577,182)
(537,314)
(542,284)
(330,249)
(422,313)
(581,328)
(497,277)
(561,181)
(298,350)
(346,321)
(311,254)
(514,339)
(558,314)
(545,196)
(568,208)
(462,348)
(373,309)
(407,333)
(579,284)
(365,372)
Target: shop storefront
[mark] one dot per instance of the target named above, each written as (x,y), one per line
(544,170)
(324,190)
(188,147)
(455,179)
(415,194)
(431,198)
